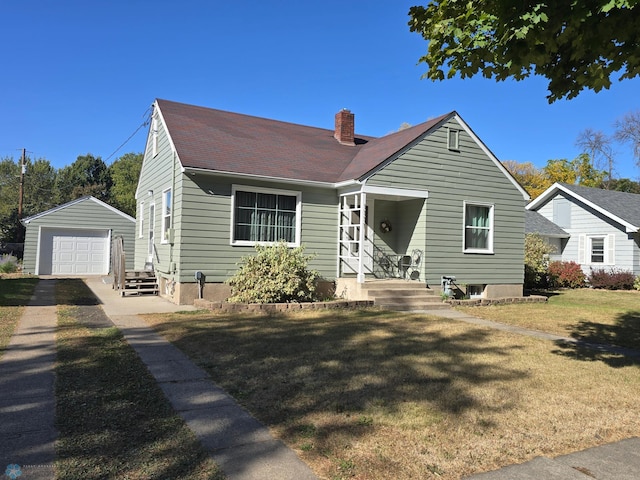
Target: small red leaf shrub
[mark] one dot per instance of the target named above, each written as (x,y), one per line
(613,279)
(566,275)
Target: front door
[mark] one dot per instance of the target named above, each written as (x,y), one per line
(356,235)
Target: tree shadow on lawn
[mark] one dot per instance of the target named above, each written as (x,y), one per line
(283,368)
(616,345)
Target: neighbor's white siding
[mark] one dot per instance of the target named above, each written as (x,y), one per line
(587,222)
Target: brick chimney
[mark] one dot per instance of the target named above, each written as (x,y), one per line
(345,127)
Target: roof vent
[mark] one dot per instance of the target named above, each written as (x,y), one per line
(345,127)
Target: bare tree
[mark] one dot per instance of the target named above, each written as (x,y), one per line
(628,131)
(599,146)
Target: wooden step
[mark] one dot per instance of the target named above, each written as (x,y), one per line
(139,282)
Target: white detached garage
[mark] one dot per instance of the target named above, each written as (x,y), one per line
(75,238)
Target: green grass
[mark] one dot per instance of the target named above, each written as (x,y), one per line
(113,419)
(15,293)
(375,395)
(594,316)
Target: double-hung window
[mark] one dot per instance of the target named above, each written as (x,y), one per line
(478,228)
(265,216)
(597,249)
(166,215)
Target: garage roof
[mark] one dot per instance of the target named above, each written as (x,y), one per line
(26,221)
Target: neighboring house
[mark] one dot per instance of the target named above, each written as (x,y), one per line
(75,238)
(214,184)
(549,231)
(602,225)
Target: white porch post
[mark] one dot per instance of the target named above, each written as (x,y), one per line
(361,240)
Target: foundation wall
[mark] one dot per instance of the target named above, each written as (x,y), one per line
(499,291)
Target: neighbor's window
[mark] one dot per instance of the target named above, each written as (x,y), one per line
(166,215)
(453,139)
(478,228)
(597,249)
(265,216)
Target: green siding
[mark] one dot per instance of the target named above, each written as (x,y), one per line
(158,173)
(451,178)
(87,215)
(204,237)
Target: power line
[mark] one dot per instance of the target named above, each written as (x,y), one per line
(144,124)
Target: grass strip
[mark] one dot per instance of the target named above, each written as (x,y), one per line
(589,315)
(113,419)
(15,293)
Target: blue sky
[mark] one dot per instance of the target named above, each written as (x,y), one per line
(79,76)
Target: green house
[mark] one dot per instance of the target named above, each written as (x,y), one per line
(426,202)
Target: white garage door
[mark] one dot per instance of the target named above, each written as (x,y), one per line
(74,252)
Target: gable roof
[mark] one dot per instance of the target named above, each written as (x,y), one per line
(534,222)
(225,142)
(621,207)
(28,220)
(247,145)
(375,152)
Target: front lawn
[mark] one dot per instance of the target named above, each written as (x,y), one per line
(594,316)
(113,419)
(378,395)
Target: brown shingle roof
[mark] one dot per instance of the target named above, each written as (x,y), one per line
(222,141)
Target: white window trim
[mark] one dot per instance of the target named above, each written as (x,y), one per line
(586,244)
(453,134)
(141,224)
(489,249)
(165,232)
(248,188)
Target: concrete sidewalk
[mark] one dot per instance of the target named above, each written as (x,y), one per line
(242,447)
(27,396)
(614,461)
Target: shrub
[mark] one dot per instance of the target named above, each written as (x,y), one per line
(566,275)
(8,264)
(536,261)
(613,279)
(636,284)
(276,274)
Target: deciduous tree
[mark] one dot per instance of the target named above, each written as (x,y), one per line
(124,173)
(574,45)
(88,175)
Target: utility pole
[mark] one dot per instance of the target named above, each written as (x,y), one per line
(23,167)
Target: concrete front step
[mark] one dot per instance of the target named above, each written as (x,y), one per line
(402,295)
(403,307)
